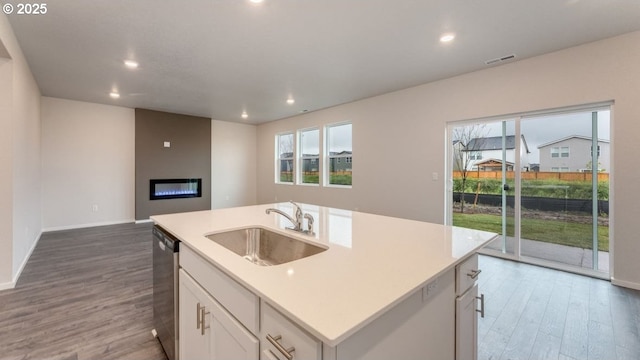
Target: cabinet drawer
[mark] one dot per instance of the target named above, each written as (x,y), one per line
(466,274)
(288,335)
(239,301)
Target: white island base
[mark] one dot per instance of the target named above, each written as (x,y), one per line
(332,305)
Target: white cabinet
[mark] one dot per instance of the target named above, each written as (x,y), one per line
(467,325)
(207,330)
(193,344)
(466,309)
(219,319)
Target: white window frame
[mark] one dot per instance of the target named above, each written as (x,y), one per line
(278,172)
(563,153)
(302,157)
(328,156)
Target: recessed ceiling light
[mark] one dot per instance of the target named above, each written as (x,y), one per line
(445,38)
(244,115)
(114,95)
(291,100)
(131,64)
(256,1)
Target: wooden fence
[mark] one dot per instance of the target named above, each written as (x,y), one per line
(533,175)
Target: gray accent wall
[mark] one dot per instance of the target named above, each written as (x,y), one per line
(188,156)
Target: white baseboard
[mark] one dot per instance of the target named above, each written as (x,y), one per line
(12,284)
(80,226)
(8,285)
(627,284)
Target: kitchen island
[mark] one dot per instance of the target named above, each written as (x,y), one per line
(383,286)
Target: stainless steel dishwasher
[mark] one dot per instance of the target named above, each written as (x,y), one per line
(165,290)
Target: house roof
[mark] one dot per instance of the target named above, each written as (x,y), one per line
(494,143)
(493,161)
(587,138)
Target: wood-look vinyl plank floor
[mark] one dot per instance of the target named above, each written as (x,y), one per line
(84,294)
(535,313)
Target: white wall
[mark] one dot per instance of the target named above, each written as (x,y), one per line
(88,159)
(20,160)
(6,170)
(412,122)
(233,157)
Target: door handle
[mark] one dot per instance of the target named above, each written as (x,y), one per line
(198,316)
(481,311)
(203,313)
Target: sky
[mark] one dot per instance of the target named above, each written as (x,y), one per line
(543,129)
(339,139)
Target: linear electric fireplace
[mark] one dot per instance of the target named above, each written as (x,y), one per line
(174,188)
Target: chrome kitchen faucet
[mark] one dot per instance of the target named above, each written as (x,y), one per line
(298,220)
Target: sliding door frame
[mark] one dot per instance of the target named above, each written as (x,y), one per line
(518,118)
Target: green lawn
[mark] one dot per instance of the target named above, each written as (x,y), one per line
(314,178)
(336,179)
(552,231)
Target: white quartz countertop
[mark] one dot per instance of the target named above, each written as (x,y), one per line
(372,263)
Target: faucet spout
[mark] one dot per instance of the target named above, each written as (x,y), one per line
(280,212)
(295,221)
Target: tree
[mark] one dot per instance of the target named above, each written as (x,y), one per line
(465,141)
(588,166)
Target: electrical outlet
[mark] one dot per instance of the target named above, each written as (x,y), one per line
(434,176)
(430,289)
(94,207)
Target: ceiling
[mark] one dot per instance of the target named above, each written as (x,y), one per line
(218,58)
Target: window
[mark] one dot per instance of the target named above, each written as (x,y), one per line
(562,151)
(338,147)
(309,172)
(475,155)
(284,149)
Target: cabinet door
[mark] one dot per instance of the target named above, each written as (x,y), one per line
(207,330)
(230,339)
(192,343)
(467,325)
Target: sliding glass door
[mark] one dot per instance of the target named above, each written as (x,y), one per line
(483,159)
(532,179)
(564,204)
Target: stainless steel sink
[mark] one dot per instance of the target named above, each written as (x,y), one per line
(263,247)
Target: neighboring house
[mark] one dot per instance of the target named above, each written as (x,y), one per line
(342,161)
(457,154)
(573,153)
(310,163)
(286,162)
(485,154)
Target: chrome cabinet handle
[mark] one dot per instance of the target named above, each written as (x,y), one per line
(203,313)
(481,311)
(474,273)
(283,351)
(198,316)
